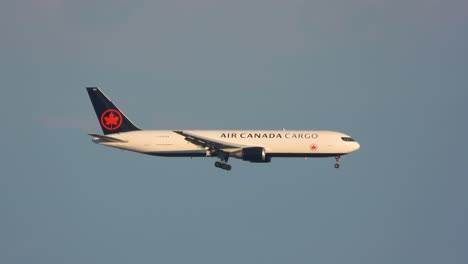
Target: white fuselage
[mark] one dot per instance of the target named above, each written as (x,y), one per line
(277,143)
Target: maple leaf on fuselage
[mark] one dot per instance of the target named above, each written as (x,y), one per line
(111,119)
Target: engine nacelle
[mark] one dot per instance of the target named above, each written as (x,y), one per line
(253,154)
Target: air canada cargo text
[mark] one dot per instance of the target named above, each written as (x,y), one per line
(269,135)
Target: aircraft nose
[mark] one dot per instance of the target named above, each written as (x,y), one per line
(357,146)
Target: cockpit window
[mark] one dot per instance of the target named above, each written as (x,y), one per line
(348,139)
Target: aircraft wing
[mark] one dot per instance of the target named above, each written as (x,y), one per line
(210,144)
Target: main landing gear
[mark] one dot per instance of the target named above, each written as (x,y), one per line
(223,164)
(337,164)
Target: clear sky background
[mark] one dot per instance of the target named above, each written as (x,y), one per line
(392,74)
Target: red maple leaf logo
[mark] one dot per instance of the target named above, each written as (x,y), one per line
(313,147)
(111,119)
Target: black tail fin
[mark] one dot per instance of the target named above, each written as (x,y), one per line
(111,119)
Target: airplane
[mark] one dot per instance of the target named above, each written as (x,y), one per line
(257,146)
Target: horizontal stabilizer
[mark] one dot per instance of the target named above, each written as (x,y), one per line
(103,138)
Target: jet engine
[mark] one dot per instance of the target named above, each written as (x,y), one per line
(253,154)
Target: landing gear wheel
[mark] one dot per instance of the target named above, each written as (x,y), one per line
(337,164)
(222,165)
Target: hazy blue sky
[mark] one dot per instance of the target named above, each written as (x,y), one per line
(393,74)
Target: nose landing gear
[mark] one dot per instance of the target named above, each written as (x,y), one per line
(337,164)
